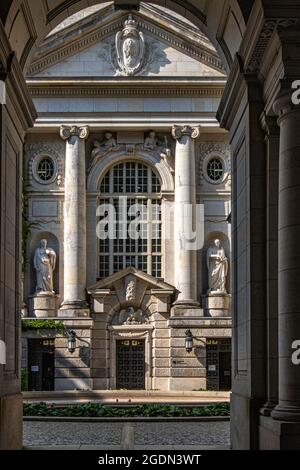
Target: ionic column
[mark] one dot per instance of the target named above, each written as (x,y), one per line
(288,408)
(74,303)
(184,214)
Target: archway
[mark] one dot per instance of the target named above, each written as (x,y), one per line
(26,28)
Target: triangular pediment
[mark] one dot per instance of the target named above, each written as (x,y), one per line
(149,281)
(88,48)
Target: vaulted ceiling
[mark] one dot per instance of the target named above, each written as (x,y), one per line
(27,22)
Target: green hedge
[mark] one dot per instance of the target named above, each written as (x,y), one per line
(98,410)
(42,325)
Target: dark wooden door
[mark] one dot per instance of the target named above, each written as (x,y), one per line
(218,364)
(225,371)
(48,370)
(41,364)
(131,364)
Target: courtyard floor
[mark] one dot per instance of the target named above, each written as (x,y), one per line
(147,435)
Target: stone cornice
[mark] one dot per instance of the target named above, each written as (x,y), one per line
(40,88)
(200,322)
(74,47)
(264,21)
(232,95)
(155,12)
(182,43)
(256,55)
(96,123)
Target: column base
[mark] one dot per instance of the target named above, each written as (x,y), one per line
(77,309)
(186,308)
(267,409)
(286,413)
(276,435)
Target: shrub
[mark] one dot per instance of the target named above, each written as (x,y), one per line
(151,410)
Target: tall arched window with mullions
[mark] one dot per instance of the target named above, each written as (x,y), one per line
(125,186)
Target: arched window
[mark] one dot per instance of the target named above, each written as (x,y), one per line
(133,189)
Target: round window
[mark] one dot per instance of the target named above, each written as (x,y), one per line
(215,169)
(45,169)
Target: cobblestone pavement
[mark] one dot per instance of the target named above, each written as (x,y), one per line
(145,434)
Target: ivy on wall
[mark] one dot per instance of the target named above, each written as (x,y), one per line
(42,325)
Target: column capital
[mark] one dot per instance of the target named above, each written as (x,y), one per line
(79,131)
(288,98)
(191,131)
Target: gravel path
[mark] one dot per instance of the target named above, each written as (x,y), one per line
(148,434)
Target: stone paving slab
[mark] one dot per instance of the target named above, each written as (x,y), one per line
(156,419)
(108,435)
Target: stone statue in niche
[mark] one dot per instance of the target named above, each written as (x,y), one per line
(44,265)
(217,264)
(130,47)
(107,144)
(130,316)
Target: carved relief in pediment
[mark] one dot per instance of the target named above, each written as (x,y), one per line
(130,291)
(130,316)
(152,143)
(130,48)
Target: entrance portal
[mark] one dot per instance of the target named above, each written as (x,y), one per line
(131,364)
(218,364)
(41,364)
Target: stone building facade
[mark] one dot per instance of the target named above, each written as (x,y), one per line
(258,42)
(127,112)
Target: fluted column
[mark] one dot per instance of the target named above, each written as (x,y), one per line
(288,408)
(184,215)
(74,303)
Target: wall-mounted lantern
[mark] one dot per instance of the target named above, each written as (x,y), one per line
(71,336)
(189,341)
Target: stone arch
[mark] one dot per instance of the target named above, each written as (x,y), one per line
(103,165)
(207,243)
(16,16)
(53,242)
